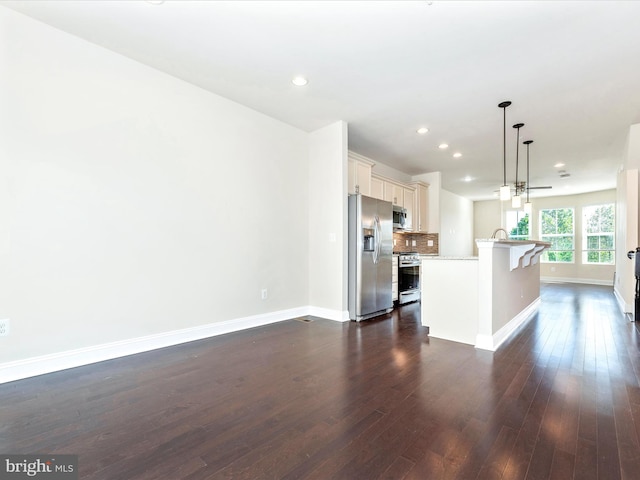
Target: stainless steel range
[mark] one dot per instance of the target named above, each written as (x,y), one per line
(408,277)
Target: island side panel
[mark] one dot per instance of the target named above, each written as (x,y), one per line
(509,293)
(513,290)
(450,298)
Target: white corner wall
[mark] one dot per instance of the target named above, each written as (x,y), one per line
(628,225)
(489,215)
(327,220)
(456,225)
(134,204)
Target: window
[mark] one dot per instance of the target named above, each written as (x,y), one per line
(598,229)
(517,223)
(556,227)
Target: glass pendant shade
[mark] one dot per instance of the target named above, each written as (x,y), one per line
(528,208)
(516,201)
(505,193)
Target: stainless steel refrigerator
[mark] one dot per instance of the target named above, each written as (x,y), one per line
(370,256)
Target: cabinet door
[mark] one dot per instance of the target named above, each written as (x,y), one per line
(409,196)
(351,177)
(377,188)
(363,177)
(393,193)
(359,177)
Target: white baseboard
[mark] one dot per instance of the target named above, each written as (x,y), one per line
(625,308)
(336,315)
(31,367)
(585,281)
(492,342)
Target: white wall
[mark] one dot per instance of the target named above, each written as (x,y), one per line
(577,271)
(132,203)
(327,221)
(628,228)
(489,215)
(456,225)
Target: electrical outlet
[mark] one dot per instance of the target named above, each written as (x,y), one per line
(263,294)
(429,243)
(4,327)
(413,243)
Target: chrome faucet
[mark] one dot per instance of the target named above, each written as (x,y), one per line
(495,232)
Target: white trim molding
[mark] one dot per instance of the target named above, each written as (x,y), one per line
(336,315)
(31,367)
(582,281)
(492,342)
(625,308)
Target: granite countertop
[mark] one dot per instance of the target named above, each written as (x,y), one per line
(448,257)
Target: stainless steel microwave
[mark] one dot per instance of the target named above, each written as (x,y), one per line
(399,217)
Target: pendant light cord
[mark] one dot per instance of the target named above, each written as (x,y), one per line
(518,126)
(504,146)
(527,143)
(503,106)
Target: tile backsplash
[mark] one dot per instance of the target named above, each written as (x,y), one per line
(403,242)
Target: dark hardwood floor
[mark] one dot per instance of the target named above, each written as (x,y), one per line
(380,399)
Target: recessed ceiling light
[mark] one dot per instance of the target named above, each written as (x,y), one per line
(443,146)
(155,2)
(422,130)
(299,81)
(558,165)
(457,155)
(467,178)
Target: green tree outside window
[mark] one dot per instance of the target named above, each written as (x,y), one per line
(599,234)
(557,228)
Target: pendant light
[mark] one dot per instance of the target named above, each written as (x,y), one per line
(505,190)
(516,201)
(528,207)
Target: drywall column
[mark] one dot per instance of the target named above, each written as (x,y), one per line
(628,221)
(328,222)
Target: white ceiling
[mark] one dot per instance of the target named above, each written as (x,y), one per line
(571,69)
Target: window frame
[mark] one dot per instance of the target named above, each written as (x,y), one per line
(519,215)
(546,237)
(585,236)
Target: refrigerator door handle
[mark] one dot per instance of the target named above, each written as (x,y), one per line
(376,239)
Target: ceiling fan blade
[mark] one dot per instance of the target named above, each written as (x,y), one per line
(540,188)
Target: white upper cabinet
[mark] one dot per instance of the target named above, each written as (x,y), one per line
(409,195)
(421,207)
(413,196)
(359,174)
(394,193)
(377,188)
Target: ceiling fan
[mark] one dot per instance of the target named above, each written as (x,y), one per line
(521,187)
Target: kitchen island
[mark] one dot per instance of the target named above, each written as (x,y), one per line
(482,300)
